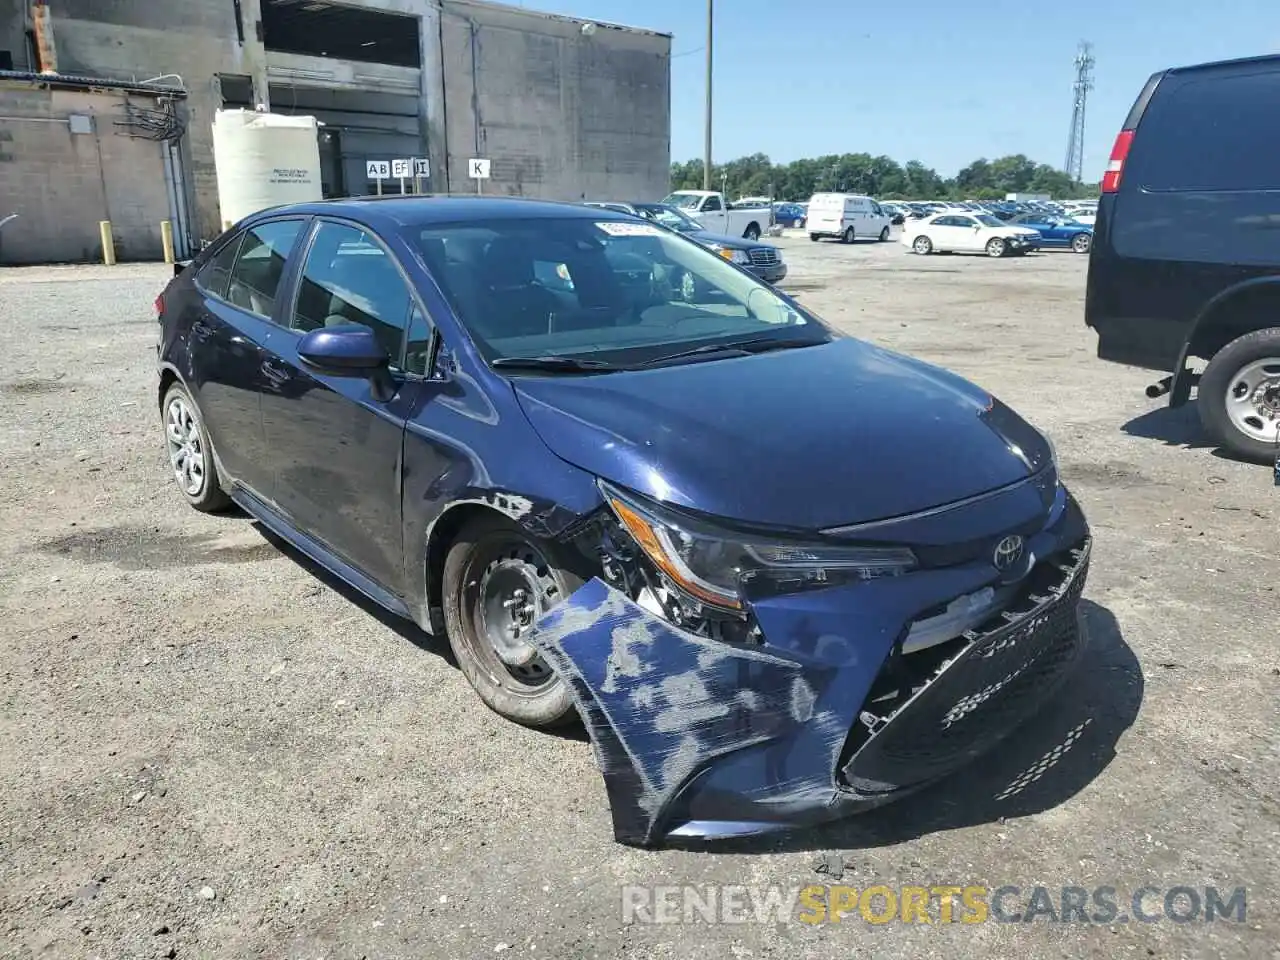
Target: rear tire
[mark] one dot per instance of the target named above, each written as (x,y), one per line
(850,236)
(1081,243)
(497,581)
(752,232)
(190,453)
(884,234)
(813,237)
(1239,396)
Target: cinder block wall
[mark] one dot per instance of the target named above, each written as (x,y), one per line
(62,184)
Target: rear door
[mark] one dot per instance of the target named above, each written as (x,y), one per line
(1196,208)
(229,353)
(337,447)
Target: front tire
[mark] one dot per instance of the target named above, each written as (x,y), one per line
(849,236)
(813,237)
(1239,396)
(884,234)
(190,452)
(922,245)
(497,581)
(996,247)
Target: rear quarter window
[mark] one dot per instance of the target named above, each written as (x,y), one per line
(1210,133)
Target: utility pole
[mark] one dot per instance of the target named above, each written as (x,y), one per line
(1074,165)
(706,153)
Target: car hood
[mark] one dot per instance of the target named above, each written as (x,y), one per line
(723,240)
(806,438)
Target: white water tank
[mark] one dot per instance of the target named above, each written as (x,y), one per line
(264,159)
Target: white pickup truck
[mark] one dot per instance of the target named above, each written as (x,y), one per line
(718,215)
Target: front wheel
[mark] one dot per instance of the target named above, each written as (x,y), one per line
(498,580)
(1239,396)
(884,234)
(922,246)
(1081,243)
(850,236)
(752,232)
(996,247)
(813,237)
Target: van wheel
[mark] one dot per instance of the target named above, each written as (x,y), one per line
(752,232)
(813,237)
(1239,396)
(922,246)
(884,234)
(850,236)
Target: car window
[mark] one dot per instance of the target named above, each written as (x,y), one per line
(350,278)
(1210,133)
(255,278)
(216,274)
(964,221)
(713,203)
(608,288)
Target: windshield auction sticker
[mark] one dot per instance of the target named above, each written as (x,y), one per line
(615,228)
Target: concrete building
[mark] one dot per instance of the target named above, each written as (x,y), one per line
(562,108)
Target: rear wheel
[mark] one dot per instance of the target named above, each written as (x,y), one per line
(498,580)
(922,246)
(813,237)
(190,453)
(884,234)
(850,236)
(752,232)
(1239,396)
(1081,242)
(996,247)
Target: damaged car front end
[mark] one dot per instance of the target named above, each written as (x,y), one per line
(736,680)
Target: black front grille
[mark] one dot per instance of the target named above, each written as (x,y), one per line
(763,256)
(1000,674)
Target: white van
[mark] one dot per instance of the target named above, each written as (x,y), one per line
(847,216)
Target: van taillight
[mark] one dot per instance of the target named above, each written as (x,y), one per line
(1115,166)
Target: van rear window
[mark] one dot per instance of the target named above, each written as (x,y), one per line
(1209,133)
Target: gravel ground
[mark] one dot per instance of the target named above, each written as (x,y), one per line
(211,750)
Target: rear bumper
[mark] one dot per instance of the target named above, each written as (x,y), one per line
(701,738)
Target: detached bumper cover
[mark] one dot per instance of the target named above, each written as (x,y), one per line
(697,737)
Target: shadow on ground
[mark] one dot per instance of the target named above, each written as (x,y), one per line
(1041,765)
(1173,426)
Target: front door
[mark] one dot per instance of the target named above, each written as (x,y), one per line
(336,443)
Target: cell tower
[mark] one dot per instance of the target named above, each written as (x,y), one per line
(1084,83)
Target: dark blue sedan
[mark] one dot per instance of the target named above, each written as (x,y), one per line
(1058,231)
(780,573)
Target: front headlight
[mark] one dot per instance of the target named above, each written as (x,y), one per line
(714,566)
(733,256)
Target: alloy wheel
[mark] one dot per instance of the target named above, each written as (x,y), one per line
(185,446)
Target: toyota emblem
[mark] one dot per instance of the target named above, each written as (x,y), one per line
(1008,552)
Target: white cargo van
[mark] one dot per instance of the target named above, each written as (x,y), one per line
(847,216)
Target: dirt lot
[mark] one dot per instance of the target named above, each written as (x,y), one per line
(209,750)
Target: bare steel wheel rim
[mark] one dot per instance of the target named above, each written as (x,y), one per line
(512,586)
(1253,400)
(186,449)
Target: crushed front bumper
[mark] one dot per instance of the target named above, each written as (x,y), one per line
(699,737)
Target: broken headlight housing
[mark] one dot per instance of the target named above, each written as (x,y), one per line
(716,567)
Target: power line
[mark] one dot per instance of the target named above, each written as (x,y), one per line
(1084,63)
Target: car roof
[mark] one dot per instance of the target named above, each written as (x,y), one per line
(427,209)
(1271,59)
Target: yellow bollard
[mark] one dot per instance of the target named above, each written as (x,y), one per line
(108,244)
(166,238)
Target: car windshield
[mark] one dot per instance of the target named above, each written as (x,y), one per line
(988,220)
(604,290)
(685,201)
(669,217)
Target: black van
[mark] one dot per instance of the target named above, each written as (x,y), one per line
(1186,249)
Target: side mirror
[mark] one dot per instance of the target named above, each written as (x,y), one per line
(346,351)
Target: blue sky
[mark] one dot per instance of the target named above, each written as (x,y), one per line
(941,81)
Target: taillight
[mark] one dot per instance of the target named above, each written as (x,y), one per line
(160,306)
(1115,166)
